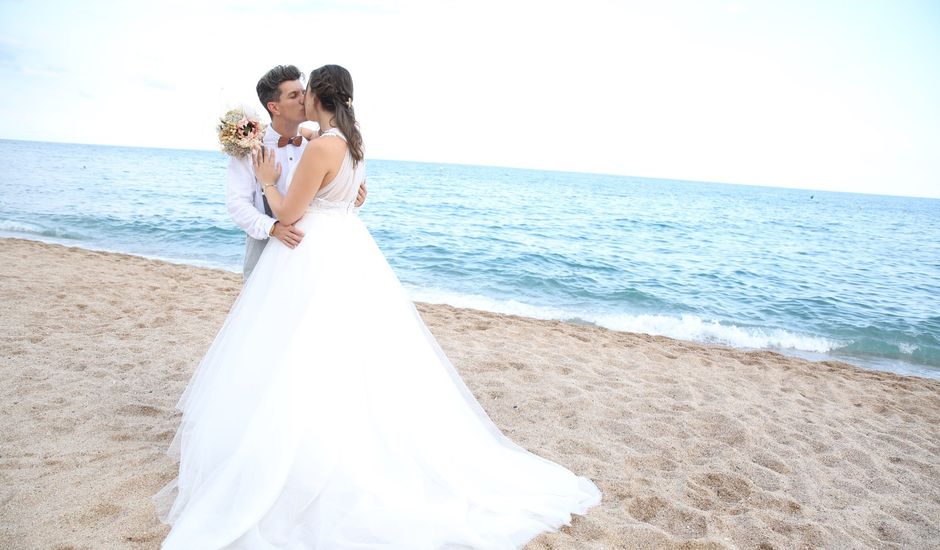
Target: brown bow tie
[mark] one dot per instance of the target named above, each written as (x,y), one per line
(295,141)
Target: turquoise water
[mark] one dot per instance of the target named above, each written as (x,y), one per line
(817,274)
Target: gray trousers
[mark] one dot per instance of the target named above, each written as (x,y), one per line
(253,249)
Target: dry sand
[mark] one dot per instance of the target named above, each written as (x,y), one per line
(693,446)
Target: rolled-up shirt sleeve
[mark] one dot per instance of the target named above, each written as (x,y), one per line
(239,199)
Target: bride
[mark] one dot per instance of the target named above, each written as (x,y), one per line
(351,430)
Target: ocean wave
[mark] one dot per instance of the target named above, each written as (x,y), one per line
(211,261)
(692,327)
(907,349)
(19,227)
(924,351)
(11,226)
(684,327)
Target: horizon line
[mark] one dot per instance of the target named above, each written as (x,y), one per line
(607,174)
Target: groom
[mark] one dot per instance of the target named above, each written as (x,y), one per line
(281,91)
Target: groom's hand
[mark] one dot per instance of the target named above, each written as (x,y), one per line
(361,197)
(287,234)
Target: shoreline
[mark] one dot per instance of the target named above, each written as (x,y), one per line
(879,364)
(693,445)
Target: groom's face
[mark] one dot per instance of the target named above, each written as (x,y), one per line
(290,105)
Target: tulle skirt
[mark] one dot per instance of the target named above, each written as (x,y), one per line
(325,417)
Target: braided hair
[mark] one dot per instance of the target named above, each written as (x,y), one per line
(333,87)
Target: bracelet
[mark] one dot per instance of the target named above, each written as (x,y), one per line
(265,187)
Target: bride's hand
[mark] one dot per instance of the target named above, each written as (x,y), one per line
(267,169)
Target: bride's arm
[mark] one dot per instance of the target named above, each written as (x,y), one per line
(311,173)
(308,134)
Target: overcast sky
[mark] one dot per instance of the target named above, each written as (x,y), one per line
(824,94)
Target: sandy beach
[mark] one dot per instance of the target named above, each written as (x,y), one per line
(693,446)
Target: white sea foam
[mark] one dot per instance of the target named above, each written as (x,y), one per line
(16,228)
(20,227)
(685,327)
(692,327)
(42,238)
(906,348)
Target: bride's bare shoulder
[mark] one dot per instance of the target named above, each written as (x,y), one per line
(328,149)
(328,143)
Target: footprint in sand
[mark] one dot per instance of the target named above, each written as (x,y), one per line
(656,511)
(139,410)
(719,490)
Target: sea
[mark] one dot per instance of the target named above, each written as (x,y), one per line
(820,275)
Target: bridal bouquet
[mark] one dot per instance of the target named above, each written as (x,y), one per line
(239,132)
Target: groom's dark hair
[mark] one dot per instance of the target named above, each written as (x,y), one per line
(268,87)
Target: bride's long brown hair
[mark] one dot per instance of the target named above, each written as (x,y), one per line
(333,87)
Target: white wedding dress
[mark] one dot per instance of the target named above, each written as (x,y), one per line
(325,417)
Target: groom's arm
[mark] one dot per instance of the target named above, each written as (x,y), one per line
(239,200)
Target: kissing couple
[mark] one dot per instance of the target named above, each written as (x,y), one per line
(324,415)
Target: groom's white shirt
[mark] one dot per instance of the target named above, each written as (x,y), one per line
(243,196)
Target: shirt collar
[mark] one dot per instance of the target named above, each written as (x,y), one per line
(270,134)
